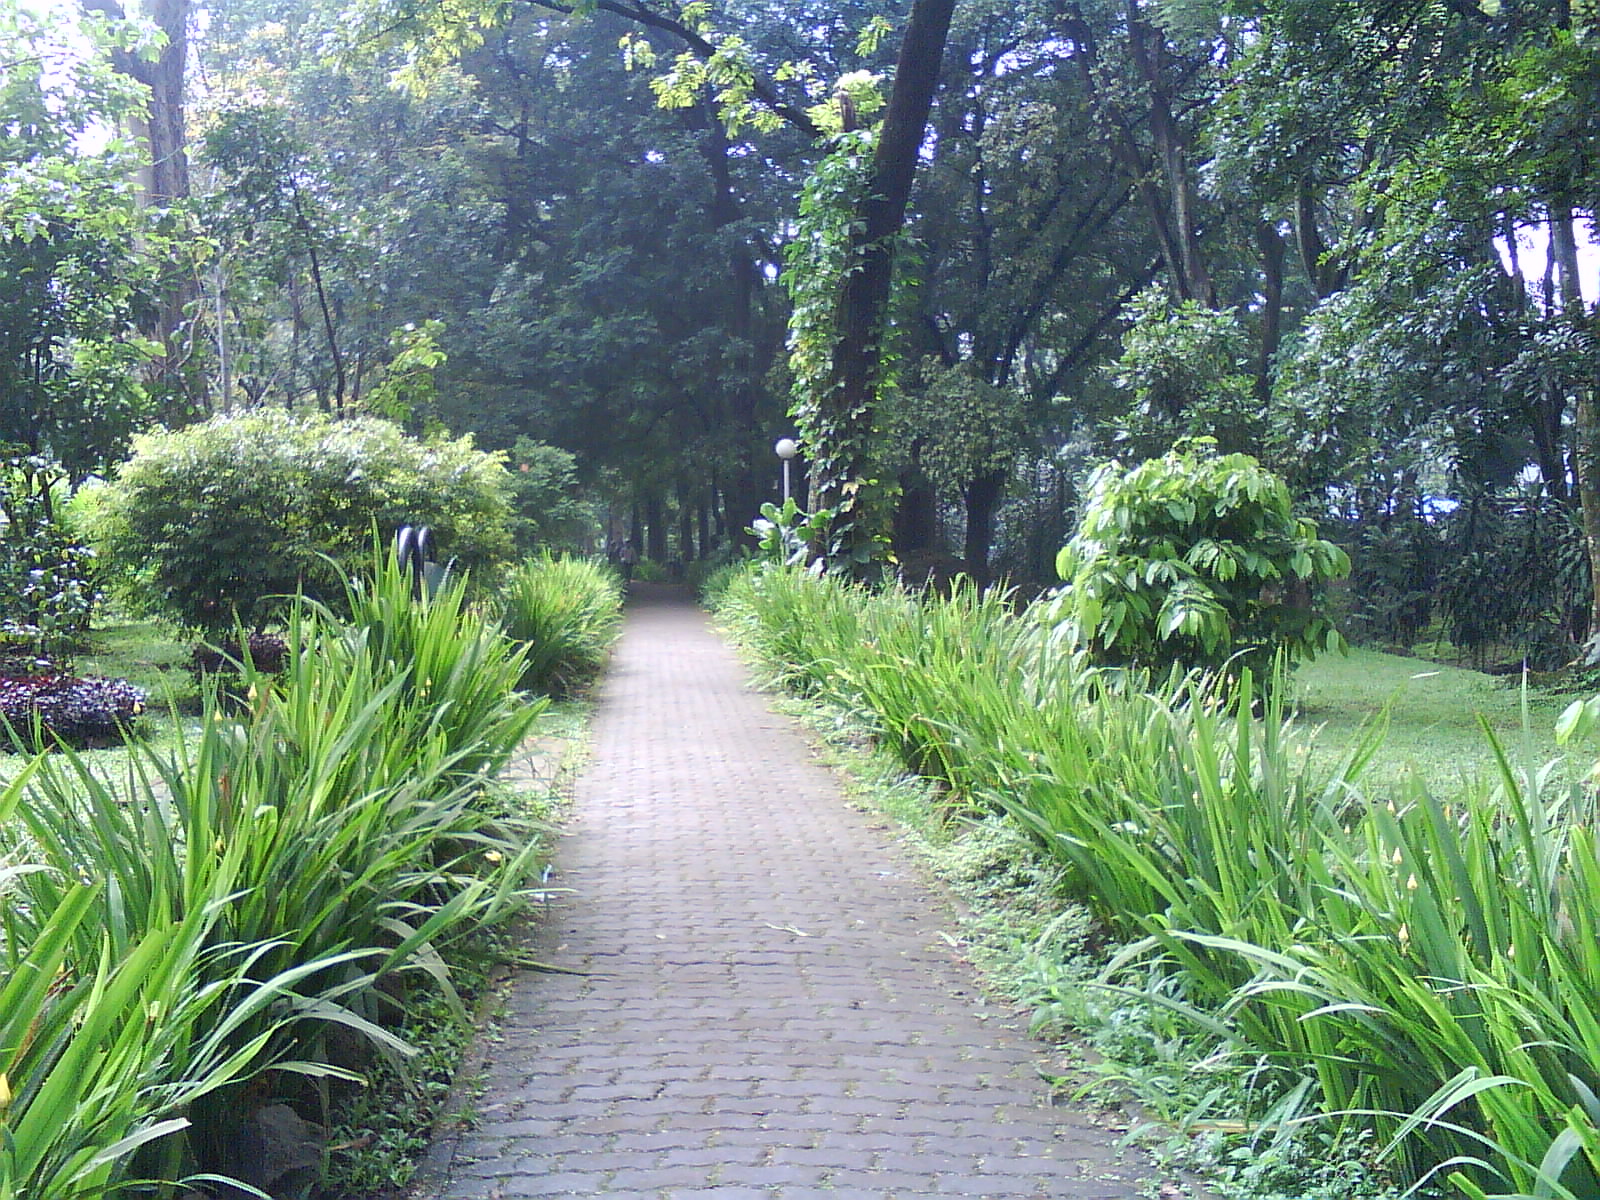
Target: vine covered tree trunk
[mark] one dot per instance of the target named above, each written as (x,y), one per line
(1586,415)
(844,472)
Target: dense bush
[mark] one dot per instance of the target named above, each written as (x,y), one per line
(565,613)
(1196,559)
(550,516)
(216,520)
(266,652)
(47,594)
(68,709)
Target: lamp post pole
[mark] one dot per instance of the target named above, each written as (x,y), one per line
(786,449)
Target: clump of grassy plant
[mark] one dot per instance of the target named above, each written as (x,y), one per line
(116,1028)
(564,613)
(453,673)
(231,899)
(800,626)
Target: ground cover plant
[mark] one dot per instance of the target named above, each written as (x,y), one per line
(47,709)
(293,865)
(1413,963)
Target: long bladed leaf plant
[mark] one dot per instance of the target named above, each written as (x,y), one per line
(231,899)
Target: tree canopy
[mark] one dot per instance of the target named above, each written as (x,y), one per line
(967,252)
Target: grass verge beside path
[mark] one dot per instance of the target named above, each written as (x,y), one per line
(1298,943)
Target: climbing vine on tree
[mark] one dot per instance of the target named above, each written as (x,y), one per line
(852,508)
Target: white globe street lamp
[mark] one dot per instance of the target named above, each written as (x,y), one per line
(786,449)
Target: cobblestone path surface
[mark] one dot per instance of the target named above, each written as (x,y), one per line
(766,1008)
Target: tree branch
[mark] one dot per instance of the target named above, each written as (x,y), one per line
(640,14)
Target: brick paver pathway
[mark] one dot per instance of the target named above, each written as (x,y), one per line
(767,1008)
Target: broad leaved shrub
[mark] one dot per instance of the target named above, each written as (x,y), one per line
(47,594)
(1196,559)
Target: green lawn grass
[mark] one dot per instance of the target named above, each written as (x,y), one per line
(149,655)
(1433,715)
(146,654)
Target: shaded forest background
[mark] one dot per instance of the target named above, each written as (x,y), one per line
(1347,237)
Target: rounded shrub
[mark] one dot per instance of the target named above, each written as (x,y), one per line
(212,522)
(42,711)
(1196,559)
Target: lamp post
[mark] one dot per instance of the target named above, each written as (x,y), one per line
(786,449)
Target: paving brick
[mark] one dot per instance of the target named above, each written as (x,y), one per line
(988,1185)
(572,1183)
(770,1012)
(662,1177)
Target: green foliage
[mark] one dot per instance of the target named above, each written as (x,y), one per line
(1187,367)
(962,426)
(406,390)
(47,589)
(76,254)
(794,621)
(456,674)
(1517,584)
(1196,559)
(110,1036)
(549,514)
(221,521)
(564,613)
(384,1130)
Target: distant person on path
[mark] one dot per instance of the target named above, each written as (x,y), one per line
(626,557)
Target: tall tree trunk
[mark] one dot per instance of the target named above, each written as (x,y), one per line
(746,440)
(916,518)
(843,473)
(1150,53)
(685,527)
(164,181)
(1586,418)
(983,500)
(1273,252)
(655,515)
(328,324)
